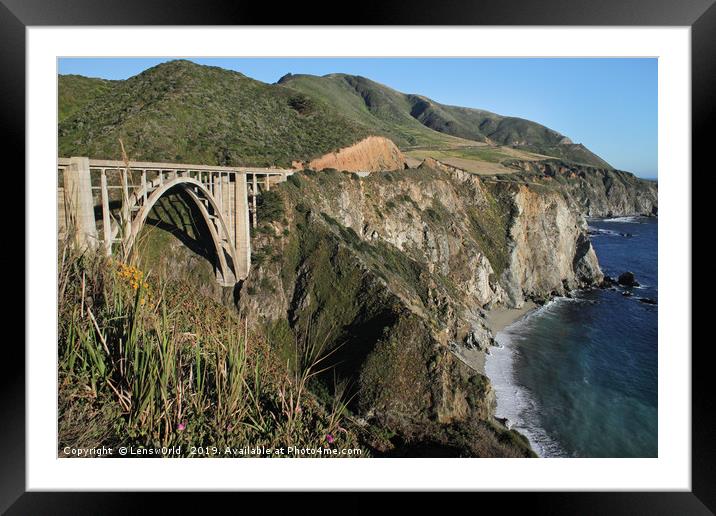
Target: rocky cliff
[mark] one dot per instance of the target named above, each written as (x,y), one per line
(550,250)
(393,273)
(599,192)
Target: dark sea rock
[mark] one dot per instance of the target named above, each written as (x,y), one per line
(627,279)
(647,300)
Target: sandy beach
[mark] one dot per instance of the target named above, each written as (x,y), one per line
(499,318)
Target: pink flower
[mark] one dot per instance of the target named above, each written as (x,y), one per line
(181,426)
(329,438)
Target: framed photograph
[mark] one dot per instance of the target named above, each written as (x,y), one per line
(443,250)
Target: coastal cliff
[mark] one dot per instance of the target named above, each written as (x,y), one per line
(551,253)
(395,272)
(599,192)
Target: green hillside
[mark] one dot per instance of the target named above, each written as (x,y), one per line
(413,120)
(386,111)
(480,125)
(184,112)
(76,91)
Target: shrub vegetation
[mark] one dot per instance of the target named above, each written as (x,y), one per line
(149,363)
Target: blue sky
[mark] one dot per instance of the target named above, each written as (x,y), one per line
(609,105)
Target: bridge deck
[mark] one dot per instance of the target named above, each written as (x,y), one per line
(148,165)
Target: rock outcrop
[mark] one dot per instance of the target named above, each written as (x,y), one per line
(627,279)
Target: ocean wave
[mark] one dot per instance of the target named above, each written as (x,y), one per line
(551,305)
(634,219)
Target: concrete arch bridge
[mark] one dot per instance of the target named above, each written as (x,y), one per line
(105,204)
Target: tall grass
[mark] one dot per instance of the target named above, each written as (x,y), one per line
(150,363)
(307,362)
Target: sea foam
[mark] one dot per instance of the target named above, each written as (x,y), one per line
(631,219)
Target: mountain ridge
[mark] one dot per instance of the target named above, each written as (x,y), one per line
(183,111)
(477,125)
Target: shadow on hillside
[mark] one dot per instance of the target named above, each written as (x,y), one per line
(176,213)
(354,343)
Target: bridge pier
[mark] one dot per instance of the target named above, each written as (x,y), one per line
(241,226)
(254,194)
(79,203)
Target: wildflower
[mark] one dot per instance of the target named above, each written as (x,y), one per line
(329,438)
(181,426)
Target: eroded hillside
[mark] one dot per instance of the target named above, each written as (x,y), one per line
(373,154)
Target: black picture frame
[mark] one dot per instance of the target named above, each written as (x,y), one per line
(16,15)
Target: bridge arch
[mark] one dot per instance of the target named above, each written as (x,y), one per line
(209,208)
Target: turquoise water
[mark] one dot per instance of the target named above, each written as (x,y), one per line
(578,376)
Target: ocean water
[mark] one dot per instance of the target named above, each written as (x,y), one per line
(578,376)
